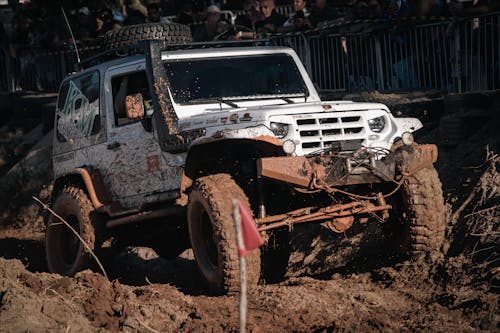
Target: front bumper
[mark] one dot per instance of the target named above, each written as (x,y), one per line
(361,167)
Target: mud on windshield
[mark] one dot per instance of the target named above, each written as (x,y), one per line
(243,77)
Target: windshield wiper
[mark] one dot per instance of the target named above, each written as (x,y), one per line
(263,98)
(288,100)
(214,100)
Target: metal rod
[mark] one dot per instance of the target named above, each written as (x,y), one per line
(457,60)
(71,33)
(243,268)
(144,216)
(324,216)
(307,210)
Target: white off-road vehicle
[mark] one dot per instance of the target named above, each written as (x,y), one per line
(171,132)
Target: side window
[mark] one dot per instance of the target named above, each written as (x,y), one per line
(128,84)
(78,113)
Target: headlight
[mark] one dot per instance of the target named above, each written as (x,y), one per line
(289,147)
(279,129)
(407,138)
(377,124)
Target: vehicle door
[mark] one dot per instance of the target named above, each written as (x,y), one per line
(78,126)
(134,166)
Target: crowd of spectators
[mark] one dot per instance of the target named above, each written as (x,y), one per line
(40,24)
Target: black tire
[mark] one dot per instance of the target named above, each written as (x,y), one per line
(421,226)
(213,235)
(66,255)
(128,36)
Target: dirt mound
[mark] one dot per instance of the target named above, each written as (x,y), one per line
(401,299)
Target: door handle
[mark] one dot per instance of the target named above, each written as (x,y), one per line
(113,145)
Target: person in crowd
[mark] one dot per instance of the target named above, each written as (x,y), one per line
(300,19)
(117,25)
(471,7)
(250,17)
(168,8)
(136,12)
(397,8)
(271,21)
(212,27)
(186,15)
(153,13)
(233,4)
(321,12)
(87,25)
(104,21)
(3,34)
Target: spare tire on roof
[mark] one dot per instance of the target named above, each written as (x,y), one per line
(128,36)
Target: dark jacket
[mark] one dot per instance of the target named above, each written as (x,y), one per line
(270,24)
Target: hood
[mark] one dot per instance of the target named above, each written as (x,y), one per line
(212,117)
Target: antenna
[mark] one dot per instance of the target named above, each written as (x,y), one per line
(72,36)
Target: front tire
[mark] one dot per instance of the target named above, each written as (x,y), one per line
(66,255)
(420,229)
(213,235)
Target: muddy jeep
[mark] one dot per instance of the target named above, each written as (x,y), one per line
(150,148)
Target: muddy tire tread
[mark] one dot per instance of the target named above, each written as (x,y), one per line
(86,229)
(426,214)
(219,189)
(131,35)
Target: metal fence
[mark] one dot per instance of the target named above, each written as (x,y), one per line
(449,56)
(460,56)
(285,10)
(4,69)
(35,69)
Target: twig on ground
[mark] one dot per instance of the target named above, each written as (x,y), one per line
(46,207)
(155,292)
(474,252)
(482,211)
(56,293)
(456,214)
(149,328)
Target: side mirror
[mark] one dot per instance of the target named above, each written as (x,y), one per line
(134,105)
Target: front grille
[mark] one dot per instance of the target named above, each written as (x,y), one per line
(340,133)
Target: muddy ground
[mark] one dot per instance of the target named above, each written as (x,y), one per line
(460,293)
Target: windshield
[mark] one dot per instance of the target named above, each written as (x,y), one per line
(239,78)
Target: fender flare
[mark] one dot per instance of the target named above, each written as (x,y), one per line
(92,182)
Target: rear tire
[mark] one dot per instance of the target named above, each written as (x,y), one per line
(213,235)
(66,255)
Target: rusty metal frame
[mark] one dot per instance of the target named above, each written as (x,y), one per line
(303,171)
(313,214)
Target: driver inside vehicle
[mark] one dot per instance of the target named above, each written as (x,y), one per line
(127,85)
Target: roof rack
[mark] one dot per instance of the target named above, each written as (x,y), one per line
(140,48)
